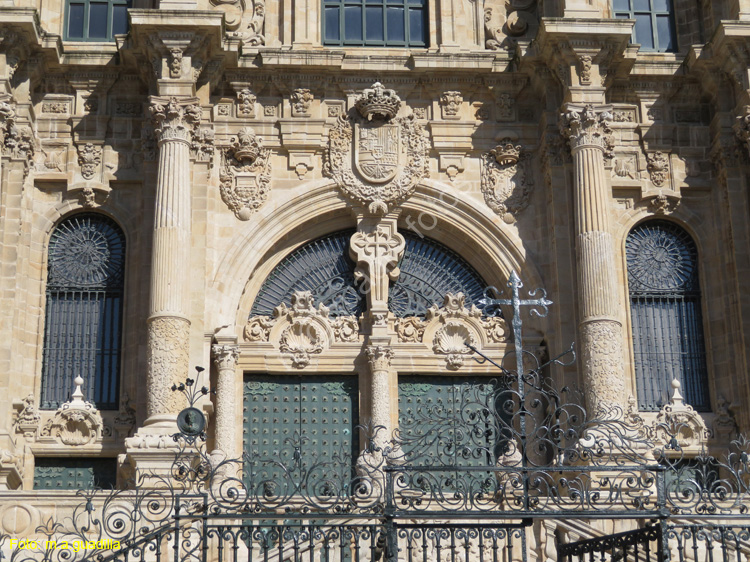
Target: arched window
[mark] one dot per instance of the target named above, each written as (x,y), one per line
(82,331)
(665,309)
(429,270)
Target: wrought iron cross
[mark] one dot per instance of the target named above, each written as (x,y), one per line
(491,307)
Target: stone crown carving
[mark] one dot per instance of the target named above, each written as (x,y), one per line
(378,102)
(506,180)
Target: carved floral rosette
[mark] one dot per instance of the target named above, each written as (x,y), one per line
(448,329)
(377,162)
(302,329)
(506,180)
(245,174)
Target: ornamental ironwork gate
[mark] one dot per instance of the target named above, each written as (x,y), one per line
(473,477)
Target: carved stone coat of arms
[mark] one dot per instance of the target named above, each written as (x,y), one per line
(507,181)
(376,158)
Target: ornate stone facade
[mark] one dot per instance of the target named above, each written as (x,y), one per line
(526,136)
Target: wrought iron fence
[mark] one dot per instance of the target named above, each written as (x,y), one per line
(435,490)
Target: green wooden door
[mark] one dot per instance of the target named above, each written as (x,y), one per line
(299,424)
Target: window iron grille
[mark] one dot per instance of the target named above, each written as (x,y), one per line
(429,271)
(83,315)
(665,310)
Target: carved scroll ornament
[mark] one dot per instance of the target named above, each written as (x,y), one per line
(302,330)
(448,329)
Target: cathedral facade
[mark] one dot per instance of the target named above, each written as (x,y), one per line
(310,201)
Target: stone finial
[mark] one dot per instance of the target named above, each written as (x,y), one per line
(378,102)
(677,398)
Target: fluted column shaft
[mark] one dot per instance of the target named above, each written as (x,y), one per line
(225,357)
(590,137)
(168,323)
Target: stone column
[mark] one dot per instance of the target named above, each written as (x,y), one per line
(225,358)
(379,358)
(168,324)
(587,129)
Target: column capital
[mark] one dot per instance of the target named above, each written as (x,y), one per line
(379,357)
(175,118)
(587,126)
(225,356)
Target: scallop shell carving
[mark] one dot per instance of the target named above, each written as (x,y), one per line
(451,340)
(300,340)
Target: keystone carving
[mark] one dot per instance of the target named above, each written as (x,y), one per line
(89,159)
(506,180)
(245,174)
(662,204)
(375,158)
(377,253)
(588,127)
(175,119)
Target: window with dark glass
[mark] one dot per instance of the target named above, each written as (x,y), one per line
(391,23)
(665,310)
(88,20)
(654,23)
(83,316)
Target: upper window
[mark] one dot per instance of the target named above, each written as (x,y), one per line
(88,20)
(654,23)
(429,271)
(84,311)
(384,23)
(665,309)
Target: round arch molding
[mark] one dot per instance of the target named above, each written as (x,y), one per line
(464,226)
